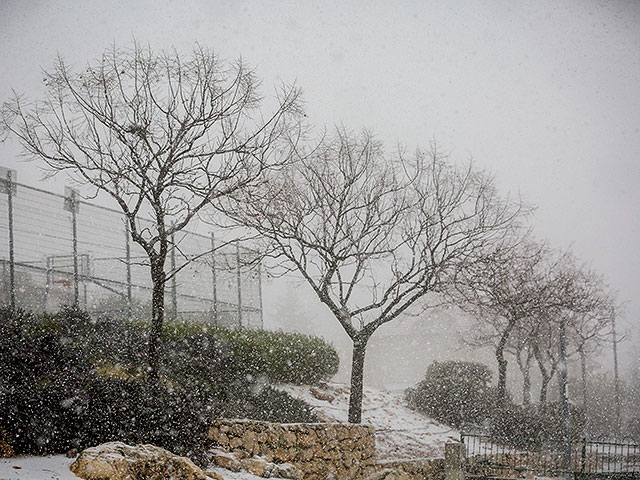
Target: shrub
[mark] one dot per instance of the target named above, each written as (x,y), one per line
(280,356)
(273,405)
(530,426)
(455,393)
(53,398)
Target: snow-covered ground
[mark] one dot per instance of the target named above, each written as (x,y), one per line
(401,433)
(56,467)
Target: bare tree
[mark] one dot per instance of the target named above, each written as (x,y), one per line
(589,330)
(372,235)
(505,296)
(163,135)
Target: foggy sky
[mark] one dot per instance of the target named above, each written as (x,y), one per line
(544,94)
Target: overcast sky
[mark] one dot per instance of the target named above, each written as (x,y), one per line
(545,94)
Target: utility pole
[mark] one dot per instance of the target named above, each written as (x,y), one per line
(564,406)
(616,376)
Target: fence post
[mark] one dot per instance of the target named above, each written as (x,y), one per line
(174,285)
(71,205)
(127,237)
(12,277)
(564,399)
(260,294)
(454,461)
(47,285)
(239,279)
(214,279)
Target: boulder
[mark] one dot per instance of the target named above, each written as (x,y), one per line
(119,461)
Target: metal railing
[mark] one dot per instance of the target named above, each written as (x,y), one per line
(486,455)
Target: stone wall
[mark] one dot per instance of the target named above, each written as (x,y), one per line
(317,450)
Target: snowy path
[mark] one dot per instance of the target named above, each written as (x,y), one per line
(401,433)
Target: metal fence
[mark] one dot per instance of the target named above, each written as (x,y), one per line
(58,250)
(490,456)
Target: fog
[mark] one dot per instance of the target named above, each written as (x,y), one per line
(543,95)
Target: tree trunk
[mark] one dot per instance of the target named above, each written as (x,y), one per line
(583,367)
(158,278)
(526,383)
(544,385)
(357,375)
(502,362)
(502,375)
(525,369)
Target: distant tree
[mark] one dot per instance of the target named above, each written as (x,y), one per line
(504,296)
(163,134)
(590,327)
(372,235)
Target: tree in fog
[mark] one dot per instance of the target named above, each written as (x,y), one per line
(520,348)
(165,135)
(372,234)
(504,296)
(590,327)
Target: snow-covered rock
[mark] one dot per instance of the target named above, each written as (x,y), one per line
(119,461)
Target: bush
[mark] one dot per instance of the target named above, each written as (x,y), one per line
(531,426)
(456,393)
(281,357)
(66,383)
(272,405)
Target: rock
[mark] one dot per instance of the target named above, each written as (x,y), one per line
(119,461)
(226,460)
(215,475)
(73,453)
(257,466)
(320,395)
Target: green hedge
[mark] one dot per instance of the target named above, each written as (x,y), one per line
(67,381)
(282,357)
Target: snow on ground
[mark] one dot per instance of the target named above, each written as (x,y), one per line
(401,433)
(56,467)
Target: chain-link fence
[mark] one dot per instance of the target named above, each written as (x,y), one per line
(59,250)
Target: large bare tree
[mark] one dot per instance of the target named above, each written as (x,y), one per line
(163,134)
(372,234)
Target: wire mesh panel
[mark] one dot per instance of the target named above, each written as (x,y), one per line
(68,251)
